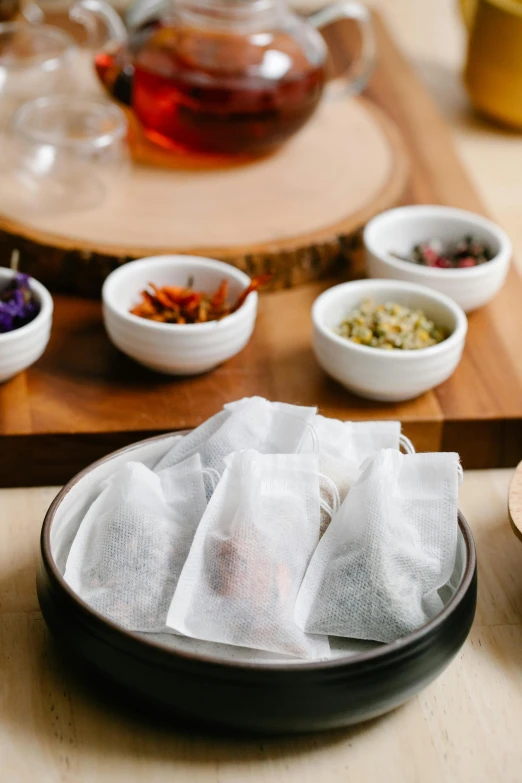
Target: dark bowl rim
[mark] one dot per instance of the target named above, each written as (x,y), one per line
(377,655)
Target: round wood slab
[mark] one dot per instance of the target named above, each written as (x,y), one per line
(289,213)
(515,501)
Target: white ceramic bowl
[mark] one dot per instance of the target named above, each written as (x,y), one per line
(22,347)
(388,376)
(399,230)
(175,349)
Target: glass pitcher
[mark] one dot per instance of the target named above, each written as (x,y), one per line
(234,77)
(35,60)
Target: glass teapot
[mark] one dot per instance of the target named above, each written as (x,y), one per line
(234,77)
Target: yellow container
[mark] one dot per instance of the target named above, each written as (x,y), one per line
(493,71)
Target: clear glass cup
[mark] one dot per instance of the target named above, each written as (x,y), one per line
(65,152)
(34,60)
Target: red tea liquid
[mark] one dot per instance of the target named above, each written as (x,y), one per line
(211,92)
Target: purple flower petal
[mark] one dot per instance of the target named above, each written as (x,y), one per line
(17,304)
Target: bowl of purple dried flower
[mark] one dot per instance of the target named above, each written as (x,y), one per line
(26,310)
(458,253)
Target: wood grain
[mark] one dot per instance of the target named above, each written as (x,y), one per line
(56,725)
(84,399)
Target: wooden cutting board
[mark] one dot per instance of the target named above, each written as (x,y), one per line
(83,398)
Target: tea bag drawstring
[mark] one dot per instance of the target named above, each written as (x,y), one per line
(406,444)
(336,499)
(331,510)
(213,476)
(315,438)
(461,473)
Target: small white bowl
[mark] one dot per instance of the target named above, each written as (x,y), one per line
(374,373)
(399,230)
(184,349)
(22,347)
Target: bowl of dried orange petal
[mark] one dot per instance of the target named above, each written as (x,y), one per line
(180,315)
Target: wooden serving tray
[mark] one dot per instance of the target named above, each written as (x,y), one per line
(290,213)
(83,398)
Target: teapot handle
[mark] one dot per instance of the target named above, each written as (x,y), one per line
(359,74)
(101,22)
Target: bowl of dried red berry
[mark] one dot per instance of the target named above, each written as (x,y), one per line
(26,310)
(180,315)
(456,252)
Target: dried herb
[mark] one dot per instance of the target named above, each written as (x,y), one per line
(182,305)
(17,304)
(390,326)
(467,252)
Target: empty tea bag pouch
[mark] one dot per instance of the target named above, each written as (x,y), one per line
(253,423)
(287,407)
(391,546)
(353,440)
(191,443)
(127,556)
(249,556)
(277,427)
(309,442)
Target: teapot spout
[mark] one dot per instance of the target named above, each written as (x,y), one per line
(101,22)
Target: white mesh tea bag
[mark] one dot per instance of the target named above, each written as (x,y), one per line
(388,550)
(252,423)
(286,407)
(127,556)
(191,443)
(249,556)
(344,446)
(354,440)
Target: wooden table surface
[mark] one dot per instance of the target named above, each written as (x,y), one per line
(464,727)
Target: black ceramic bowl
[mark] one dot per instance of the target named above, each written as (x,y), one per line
(231,687)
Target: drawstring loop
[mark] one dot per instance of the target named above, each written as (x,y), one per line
(314,436)
(406,444)
(331,510)
(213,475)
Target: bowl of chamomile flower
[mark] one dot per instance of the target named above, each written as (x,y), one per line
(387,340)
